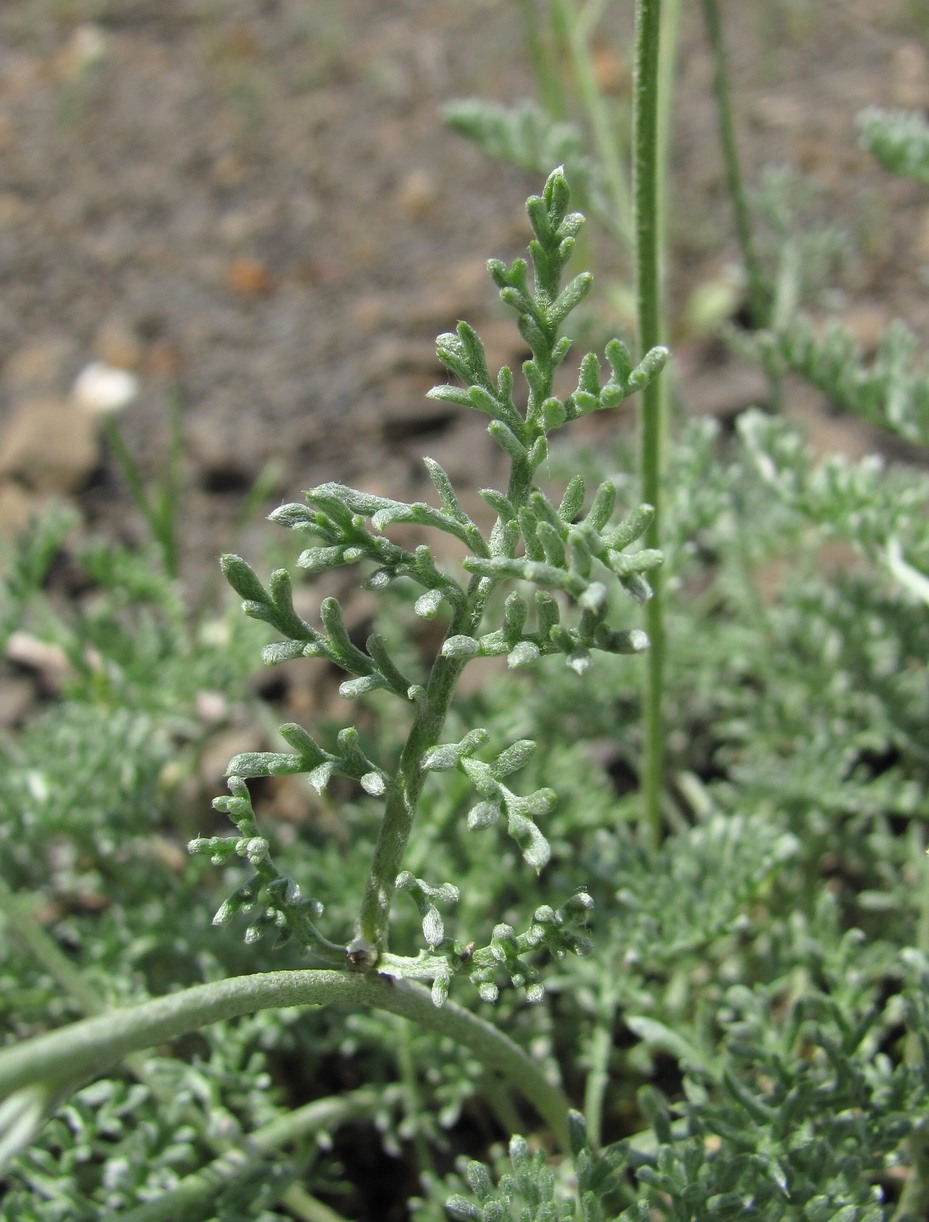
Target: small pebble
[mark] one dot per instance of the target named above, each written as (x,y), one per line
(100,388)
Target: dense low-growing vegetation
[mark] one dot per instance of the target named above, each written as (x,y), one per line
(579,993)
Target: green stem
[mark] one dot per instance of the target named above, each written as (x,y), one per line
(46,950)
(131,473)
(758,297)
(402,797)
(170,493)
(647,218)
(407,783)
(544,60)
(414,1103)
(667,76)
(501,1103)
(307,1208)
(914,1199)
(162,515)
(60,968)
(62,1060)
(601,1045)
(601,125)
(242,1161)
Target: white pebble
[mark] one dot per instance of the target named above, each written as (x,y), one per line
(101,389)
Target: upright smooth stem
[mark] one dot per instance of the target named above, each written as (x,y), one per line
(544,60)
(45,950)
(161,510)
(667,77)
(598,1056)
(757,292)
(602,128)
(647,229)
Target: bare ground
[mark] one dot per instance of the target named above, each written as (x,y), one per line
(256,208)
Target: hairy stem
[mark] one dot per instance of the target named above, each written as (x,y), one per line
(307,1207)
(757,292)
(667,79)
(400,808)
(544,59)
(647,218)
(760,305)
(403,792)
(242,1160)
(601,125)
(62,1060)
(46,950)
(405,789)
(601,1045)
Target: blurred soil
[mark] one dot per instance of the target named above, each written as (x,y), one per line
(253,205)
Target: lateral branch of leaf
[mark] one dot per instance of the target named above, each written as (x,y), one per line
(552,548)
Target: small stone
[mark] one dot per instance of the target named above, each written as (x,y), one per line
(49,445)
(910,76)
(13,209)
(101,389)
(418,194)
(229,169)
(868,322)
(921,241)
(17,697)
(117,344)
(610,68)
(371,311)
(219,750)
(40,366)
(18,506)
(84,50)
(826,433)
(162,359)
(212,707)
(47,659)
(250,278)
(168,852)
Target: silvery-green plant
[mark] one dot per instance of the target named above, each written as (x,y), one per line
(558,559)
(539,582)
(748,1034)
